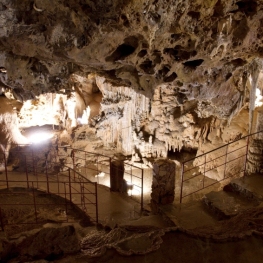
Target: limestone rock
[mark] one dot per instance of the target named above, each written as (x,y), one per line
(163,184)
(50,243)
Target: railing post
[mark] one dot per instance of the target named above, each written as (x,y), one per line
(66,209)
(34,160)
(225,161)
(26,172)
(98,178)
(34,200)
(245,166)
(69,180)
(58,183)
(85,164)
(82,195)
(131,179)
(6,176)
(47,179)
(142,190)
(96,198)
(204,173)
(33,164)
(110,171)
(1,220)
(73,161)
(182,183)
(97,163)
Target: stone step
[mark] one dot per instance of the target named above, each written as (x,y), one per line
(250,187)
(189,215)
(227,204)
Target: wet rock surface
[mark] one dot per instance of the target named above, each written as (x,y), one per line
(48,243)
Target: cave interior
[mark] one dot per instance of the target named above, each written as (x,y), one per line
(167,90)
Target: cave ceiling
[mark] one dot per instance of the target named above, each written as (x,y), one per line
(197,54)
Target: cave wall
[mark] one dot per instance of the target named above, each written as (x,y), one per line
(205,48)
(134,77)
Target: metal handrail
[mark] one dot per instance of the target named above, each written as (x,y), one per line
(31,161)
(75,158)
(46,183)
(249,135)
(204,155)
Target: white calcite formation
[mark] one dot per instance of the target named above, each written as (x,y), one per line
(122,112)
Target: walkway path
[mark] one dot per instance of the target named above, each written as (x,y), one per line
(113,208)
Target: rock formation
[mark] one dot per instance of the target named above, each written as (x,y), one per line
(134,77)
(143,80)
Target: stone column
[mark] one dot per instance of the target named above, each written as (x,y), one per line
(116,175)
(163,184)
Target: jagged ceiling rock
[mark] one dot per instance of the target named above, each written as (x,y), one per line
(174,70)
(137,44)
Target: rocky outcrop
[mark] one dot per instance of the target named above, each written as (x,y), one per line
(48,243)
(144,77)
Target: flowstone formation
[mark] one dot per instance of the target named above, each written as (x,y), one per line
(141,78)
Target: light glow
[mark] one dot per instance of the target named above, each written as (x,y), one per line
(133,189)
(258,102)
(40,137)
(85,116)
(101,174)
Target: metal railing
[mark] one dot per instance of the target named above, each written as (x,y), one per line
(95,167)
(37,174)
(224,162)
(67,172)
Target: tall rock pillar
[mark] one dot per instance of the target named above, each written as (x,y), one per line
(163,184)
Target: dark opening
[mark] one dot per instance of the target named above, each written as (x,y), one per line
(142,53)
(178,53)
(228,75)
(147,66)
(248,7)
(183,155)
(193,14)
(121,52)
(163,71)
(238,62)
(170,78)
(124,50)
(193,63)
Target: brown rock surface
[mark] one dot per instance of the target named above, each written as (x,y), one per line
(138,77)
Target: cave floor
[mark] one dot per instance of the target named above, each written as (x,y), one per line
(120,209)
(188,222)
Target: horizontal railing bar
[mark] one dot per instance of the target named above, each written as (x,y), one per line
(249,135)
(228,159)
(200,189)
(213,168)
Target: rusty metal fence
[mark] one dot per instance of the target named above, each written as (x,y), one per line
(70,173)
(33,170)
(95,167)
(210,168)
